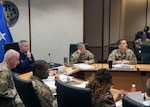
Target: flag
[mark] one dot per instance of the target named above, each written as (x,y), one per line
(5,35)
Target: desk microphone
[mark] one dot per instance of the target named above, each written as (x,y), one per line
(138,70)
(51,63)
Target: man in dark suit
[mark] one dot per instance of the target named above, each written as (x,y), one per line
(26,58)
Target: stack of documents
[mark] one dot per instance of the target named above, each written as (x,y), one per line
(122,67)
(82,85)
(50,81)
(83,66)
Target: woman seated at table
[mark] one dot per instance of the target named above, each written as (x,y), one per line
(100,84)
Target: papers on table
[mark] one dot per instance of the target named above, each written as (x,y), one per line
(50,81)
(83,66)
(138,97)
(82,85)
(118,104)
(122,67)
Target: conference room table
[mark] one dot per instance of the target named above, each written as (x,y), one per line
(122,79)
(73,82)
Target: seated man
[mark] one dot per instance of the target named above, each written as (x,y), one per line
(81,55)
(142,40)
(26,58)
(122,55)
(8,94)
(146,29)
(41,71)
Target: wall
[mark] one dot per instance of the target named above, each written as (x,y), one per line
(57,23)
(106,21)
(54,25)
(103,25)
(135,17)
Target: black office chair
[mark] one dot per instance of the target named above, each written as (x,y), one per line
(6,101)
(128,102)
(145,54)
(12,45)
(73,48)
(26,92)
(111,48)
(70,96)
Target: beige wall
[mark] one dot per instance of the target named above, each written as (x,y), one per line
(57,23)
(121,19)
(54,25)
(135,17)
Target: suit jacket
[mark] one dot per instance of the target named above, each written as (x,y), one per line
(25,64)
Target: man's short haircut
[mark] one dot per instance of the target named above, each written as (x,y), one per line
(9,54)
(80,44)
(119,41)
(21,41)
(39,65)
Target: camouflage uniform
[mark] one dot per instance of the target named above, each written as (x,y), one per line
(116,55)
(43,92)
(139,42)
(7,88)
(80,58)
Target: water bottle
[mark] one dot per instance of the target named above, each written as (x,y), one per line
(133,88)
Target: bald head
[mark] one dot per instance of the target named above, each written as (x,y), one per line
(11,58)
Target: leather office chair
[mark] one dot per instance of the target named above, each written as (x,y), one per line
(73,48)
(12,45)
(138,35)
(128,102)
(145,54)
(111,48)
(26,92)
(70,96)
(6,101)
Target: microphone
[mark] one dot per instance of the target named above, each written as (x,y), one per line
(138,70)
(50,63)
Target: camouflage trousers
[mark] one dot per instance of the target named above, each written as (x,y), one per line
(11,102)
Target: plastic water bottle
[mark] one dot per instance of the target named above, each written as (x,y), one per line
(133,88)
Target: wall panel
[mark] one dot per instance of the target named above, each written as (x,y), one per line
(54,25)
(135,17)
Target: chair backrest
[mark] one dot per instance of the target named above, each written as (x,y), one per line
(128,102)
(26,92)
(12,45)
(145,53)
(70,96)
(73,48)
(138,35)
(111,48)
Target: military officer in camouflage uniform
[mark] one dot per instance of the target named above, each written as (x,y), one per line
(40,71)
(82,55)
(8,93)
(142,40)
(122,55)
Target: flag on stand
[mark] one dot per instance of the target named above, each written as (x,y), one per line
(5,35)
